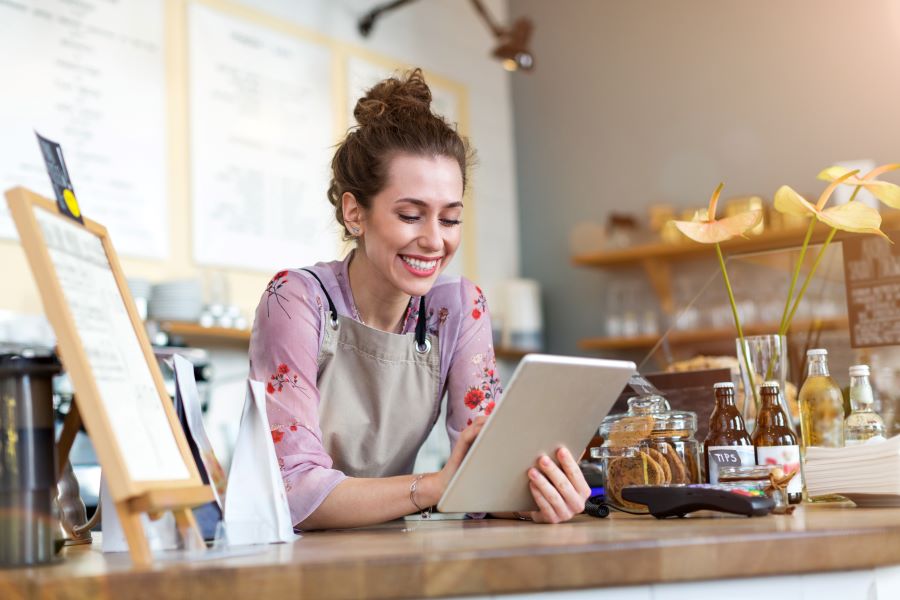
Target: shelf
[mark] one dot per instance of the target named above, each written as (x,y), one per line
(685,338)
(778,239)
(198,335)
(510,353)
(656,259)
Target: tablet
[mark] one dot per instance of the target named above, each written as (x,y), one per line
(551,401)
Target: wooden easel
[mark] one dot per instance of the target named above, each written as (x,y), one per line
(132,495)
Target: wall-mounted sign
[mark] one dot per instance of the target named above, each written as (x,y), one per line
(872,277)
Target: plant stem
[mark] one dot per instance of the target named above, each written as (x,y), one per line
(790,294)
(786,324)
(809,277)
(737,324)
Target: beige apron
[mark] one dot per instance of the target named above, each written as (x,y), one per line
(379,394)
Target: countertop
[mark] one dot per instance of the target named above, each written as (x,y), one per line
(416,559)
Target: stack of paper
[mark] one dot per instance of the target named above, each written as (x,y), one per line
(868,474)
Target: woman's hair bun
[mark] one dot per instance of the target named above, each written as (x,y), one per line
(393,99)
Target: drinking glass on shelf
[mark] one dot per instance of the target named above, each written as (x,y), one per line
(614,310)
(631,325)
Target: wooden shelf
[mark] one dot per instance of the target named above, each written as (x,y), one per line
(510,353)
(194,333)
(221,336)
(685,338)
(769,240)
(657,258)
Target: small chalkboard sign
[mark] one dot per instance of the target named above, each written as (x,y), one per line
(725,457)
(872,278)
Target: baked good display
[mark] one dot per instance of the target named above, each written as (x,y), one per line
(648,445)
(639,469)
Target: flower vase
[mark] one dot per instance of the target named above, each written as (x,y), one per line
(767,358)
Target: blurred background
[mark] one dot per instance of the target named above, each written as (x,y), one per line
(200,132)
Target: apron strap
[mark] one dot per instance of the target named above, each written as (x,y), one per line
(423,344)
(331,309)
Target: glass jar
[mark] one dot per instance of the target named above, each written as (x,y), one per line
(648,445)
(756,477)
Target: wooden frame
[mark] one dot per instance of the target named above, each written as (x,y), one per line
(131,497)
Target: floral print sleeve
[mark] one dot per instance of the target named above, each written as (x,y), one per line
(473,383)
(284,348)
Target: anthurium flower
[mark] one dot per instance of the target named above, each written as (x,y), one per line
(852,216)
(887,192)
(711,231)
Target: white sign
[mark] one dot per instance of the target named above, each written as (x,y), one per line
(262,136)
(90,76)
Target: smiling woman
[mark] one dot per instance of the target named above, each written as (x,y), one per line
(359,353)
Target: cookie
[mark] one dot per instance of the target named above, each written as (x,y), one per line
(692,468)
(663,463)
(676,466)
(622,471)
(630,431)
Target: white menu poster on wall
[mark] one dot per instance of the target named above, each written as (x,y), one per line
(127,390)
(89,75)
(262,136)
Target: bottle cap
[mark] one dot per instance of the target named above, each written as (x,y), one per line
(771,384)
(723,385)
(816,352)
(859,371)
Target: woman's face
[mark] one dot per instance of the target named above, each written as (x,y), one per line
(412,228)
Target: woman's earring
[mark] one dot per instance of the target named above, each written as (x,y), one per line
(355,230)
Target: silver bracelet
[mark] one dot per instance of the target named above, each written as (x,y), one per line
(424,512)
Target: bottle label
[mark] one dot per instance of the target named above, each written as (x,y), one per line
(729,456)
(788,457)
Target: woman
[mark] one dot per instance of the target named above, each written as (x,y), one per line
(358,353)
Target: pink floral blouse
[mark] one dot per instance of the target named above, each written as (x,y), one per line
(284,346)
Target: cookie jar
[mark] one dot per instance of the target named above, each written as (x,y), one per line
(648,445)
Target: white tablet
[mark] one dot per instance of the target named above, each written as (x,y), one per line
(551,401)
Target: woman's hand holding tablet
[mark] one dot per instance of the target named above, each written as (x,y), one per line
(559,491)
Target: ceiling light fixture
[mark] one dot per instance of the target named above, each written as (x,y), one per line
(512,43)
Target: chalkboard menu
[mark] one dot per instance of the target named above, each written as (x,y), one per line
(872,277)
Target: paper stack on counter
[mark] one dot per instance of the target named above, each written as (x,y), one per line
(868,474)
(256,507)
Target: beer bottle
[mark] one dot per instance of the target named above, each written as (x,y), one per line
(776,443)
(727,443)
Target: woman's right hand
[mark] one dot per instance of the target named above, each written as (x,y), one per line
(466,438)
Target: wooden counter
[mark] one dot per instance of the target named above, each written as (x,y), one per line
(437,558)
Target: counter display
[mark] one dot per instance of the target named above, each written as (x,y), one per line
(450,558)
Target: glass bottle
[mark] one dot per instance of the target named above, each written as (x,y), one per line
(727,443)
(863,424)
(821,404)
(775,442)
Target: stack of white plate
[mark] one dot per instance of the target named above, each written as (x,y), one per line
(141,289)
(176,300)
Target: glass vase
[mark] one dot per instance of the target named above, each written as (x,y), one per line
(767,357)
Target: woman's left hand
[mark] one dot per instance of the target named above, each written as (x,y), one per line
(559,491)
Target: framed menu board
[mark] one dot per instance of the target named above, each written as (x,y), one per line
(119,391)
(872,277)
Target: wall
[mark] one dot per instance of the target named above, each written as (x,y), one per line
(639,102)
(444,36)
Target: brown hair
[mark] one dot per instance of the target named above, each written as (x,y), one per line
(394,117)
